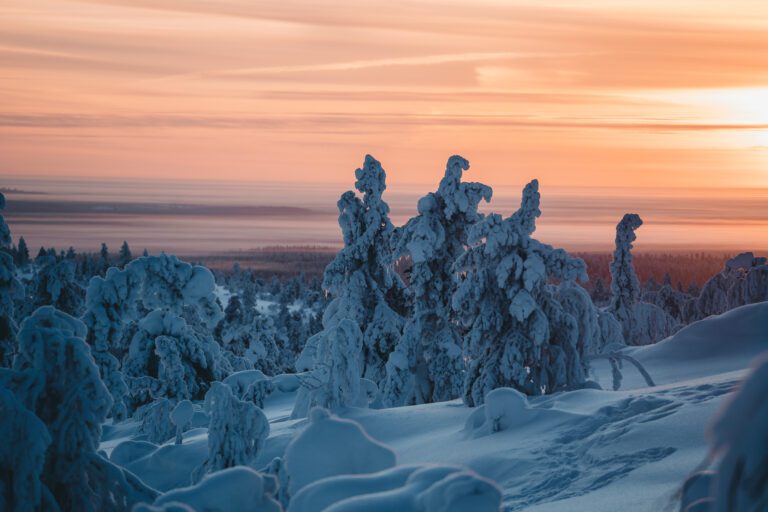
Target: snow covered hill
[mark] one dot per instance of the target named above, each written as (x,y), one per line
(588,450)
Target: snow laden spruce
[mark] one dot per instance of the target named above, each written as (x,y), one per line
(518,333)
(363,322)
(427,364)
(55,377)
(641,322)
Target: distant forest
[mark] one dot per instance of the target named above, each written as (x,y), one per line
(683,269)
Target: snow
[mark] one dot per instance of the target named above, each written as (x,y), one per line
(428,488)
(236,489)
(590,449)
(332,446)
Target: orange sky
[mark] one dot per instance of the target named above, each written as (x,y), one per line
(588,92)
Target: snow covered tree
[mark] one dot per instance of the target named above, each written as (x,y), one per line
(518,333)
(125,254)
(641,322)
(121,298)
(249,336)
(625,286)
(365,288)
(169,359)
(55,285)
(57,379)
(181,416)
(428,365)
(10,290)
(336,371)
(155,420)
(22,456)
(236,433)
(743,280)
(110,303)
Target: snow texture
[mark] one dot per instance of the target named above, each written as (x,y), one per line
(738,443)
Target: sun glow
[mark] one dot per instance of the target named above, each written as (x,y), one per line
(740,105)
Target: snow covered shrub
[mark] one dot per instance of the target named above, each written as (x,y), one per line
(236,432)
(121,298)
(427,365)
(641,322)
(739,446)
(743,280)
(250,336)
(59,381)
(405,489)
(237,489)
(169,283)
(181,416)
(336,369)
(167,358)
(365,288)
(155,421)
(22,456)
(518,333)
(595,329)
(342,445)
(55,285)
(673,302)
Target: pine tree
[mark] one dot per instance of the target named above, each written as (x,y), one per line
(125,254)
(22,260)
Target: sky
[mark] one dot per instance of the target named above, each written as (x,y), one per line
(634,95)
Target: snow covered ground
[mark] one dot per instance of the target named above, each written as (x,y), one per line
(588,450)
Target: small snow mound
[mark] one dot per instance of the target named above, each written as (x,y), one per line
(504,409)
(717,344)
(331,446)
(237,489)
(130,451)
(430,488)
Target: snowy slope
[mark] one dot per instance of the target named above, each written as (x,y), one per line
(588,450)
